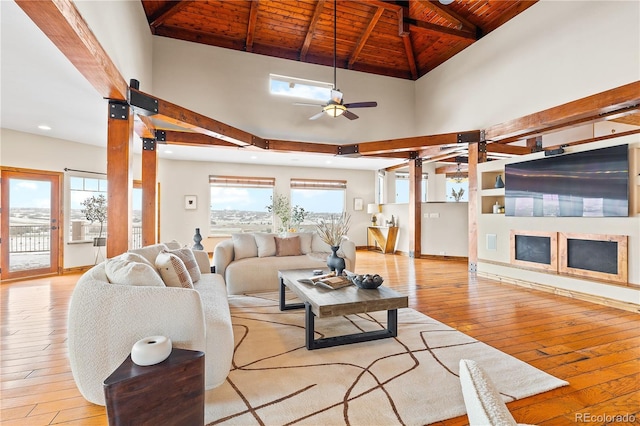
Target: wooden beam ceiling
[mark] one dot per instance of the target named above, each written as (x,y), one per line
(64,25)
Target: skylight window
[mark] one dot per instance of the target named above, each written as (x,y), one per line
(300,88)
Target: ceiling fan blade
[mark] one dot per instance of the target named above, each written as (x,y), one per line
(318,115)
(349,115)
(362,104)
(312,105)
(336,96)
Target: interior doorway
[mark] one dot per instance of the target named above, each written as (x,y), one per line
(30,242)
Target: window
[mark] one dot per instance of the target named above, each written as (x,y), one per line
(300,88)
(81,188)
(320,198)
(239,204)
(136,224)
(402,187)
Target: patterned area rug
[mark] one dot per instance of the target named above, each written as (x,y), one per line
(408,380)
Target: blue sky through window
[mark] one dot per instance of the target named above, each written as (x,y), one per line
(299,88)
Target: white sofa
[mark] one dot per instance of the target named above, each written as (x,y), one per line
(107,316)
(250,262)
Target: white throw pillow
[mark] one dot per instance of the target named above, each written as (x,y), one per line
(305,240)
(244,245)
(173,245)
(481,398)
(173,271)
(123,270)
(266,244)
(149,252)
(190,262)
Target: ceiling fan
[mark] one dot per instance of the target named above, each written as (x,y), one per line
(335,106)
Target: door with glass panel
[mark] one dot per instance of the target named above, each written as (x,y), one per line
(30,243)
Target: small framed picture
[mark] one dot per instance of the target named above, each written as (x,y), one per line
(190,202)
(358,204)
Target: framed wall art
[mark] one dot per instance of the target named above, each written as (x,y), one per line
(190,202)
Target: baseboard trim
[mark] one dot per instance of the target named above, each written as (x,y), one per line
(600,300)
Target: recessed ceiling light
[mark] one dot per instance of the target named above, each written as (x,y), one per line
(254,157)
(168,152)
(44,127)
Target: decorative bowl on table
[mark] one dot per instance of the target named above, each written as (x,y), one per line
(367,281)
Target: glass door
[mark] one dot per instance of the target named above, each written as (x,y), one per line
(30,241)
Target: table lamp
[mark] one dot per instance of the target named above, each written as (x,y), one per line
(372,209)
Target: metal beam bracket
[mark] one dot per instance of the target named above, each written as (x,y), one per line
(469,137)
(348,149)
(161,136)
(259,142)
(118,110)
(413,155)
(148,144)
(482,147)
(142,103)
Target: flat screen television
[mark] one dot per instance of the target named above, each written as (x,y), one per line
(591,183)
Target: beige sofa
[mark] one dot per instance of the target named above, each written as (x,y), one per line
(250,262)
(140,294)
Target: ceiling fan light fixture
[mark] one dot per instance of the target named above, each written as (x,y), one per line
(334,110)
(446,2)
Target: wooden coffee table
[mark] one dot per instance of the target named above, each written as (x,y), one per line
(322,302)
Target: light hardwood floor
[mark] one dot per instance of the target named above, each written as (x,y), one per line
(595,348)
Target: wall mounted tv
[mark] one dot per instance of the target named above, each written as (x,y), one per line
(590,183)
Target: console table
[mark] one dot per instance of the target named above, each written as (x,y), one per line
(171,392)
(384,236)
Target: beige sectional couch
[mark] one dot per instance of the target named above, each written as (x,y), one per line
(143,293)
(250,262)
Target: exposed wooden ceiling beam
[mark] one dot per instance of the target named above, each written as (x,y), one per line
(405,35)
(452,168)
(195,139)
(182,117)
(365,36)
(421,25)
(166,12)
(620,100)
(403,19)
(293,146)
(448,14)
(413,143)
(498,148)
(251,25)
(312,29)
(63,24)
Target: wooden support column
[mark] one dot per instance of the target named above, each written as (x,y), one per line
(120,177)
(415,207)
(149,194)
(477,154)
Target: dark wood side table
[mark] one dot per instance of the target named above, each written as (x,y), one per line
(168,393)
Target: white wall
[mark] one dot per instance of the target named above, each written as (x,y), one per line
(180,178)
(122,29)
(233,87)
(552,53)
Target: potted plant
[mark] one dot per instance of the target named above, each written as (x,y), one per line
(290,218)
(331,232)
(95,210)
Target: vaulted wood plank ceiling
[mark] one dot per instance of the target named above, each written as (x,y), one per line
(403,39)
